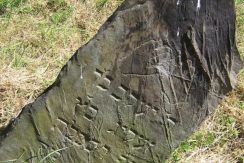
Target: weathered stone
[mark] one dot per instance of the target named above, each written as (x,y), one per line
(141,86)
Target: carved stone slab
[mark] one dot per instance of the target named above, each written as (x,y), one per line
(141,86)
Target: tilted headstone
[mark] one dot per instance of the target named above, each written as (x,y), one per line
(142,85)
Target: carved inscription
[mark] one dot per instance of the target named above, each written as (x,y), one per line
(72,133)
(130,107)
(104,81)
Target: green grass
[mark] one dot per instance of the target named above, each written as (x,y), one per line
(9,4)
(240,26)
(101,4)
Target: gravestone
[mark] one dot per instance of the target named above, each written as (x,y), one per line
(153,72)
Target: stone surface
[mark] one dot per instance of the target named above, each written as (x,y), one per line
(141,86)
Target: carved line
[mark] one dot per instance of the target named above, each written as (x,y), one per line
(132,133)
(94,142)
(89,97)
(102,87)
(87,150)
(140,114)
(93,108)
(93,146)
(138,147)
(44,144)
(122,89)
(155,111)
(165,127)
(79,100)
(115,97)
(133,97)
(88,117)
(98,72)
(108,79)
(79,143)
(106,148)
(124,128)
(172,120)
(123,158)
(110,131)
(74,128)
(63,121)
(68,138)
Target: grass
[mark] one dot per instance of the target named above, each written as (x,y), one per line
(42,156)
(36,40)
(38,37)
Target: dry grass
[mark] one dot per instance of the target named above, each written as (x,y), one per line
(38,37)
(36,40)
(220,139)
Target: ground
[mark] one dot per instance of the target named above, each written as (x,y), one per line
(37,37)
